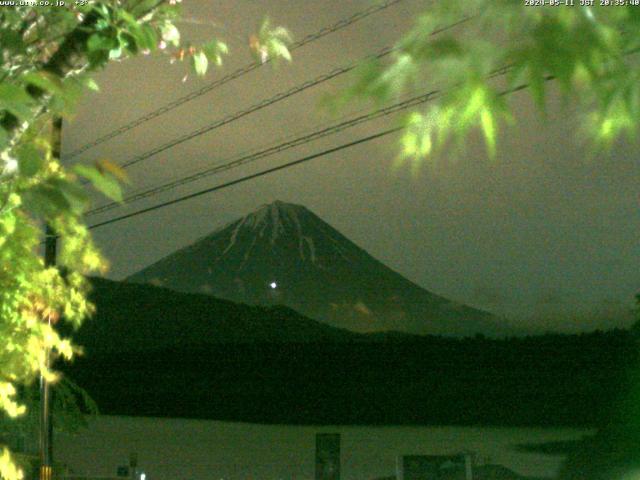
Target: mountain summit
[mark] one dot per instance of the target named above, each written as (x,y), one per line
(283,253)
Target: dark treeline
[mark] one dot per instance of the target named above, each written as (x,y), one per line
(154,352)
(551,380)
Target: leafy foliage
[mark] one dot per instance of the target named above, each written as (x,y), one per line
(270,42)
(589,51)
(46,58)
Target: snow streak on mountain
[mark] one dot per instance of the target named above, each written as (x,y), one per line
(284,254)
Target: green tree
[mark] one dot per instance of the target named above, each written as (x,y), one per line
(502,46)
(499,46)
(46,58)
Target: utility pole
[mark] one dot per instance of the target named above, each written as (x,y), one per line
(50,254)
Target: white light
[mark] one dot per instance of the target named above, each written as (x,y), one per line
(273,285)
(10,165)
(143,476)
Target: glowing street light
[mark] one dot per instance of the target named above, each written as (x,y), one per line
(273,285)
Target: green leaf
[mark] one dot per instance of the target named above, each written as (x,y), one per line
(91,84)
(369,83)
(128,42)
(75,195)
(278,49)
(536,84)
(74,87)
(214,50)
(437,50)
(103,182)
(46,201)
(272,42)
(11,40)
(30,160)
(170,34)
(489,129)
(99,47)
(200,63)
(416,141)
(115,53)
(146,37)
(103,10)
(16,100)
(4,138)
(98,42)
(102,24)
(45,81)
(142,7)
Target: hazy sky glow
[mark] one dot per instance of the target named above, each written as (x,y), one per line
(545,231)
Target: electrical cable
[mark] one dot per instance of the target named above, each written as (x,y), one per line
(270,101)
(273,169)
(245,159)
(254,108)
(341,24)
(248,177)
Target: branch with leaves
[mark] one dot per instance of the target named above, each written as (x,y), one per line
(587,51)
(46,59)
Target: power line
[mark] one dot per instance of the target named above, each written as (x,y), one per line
(284,166)
(356,17)
(245,159)
(279,148)
(248,177)
(252,109)
(270,101)
(496,73)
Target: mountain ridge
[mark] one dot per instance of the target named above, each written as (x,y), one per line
(146,317)
(283,253)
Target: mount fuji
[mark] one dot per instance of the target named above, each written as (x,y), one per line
(284,254)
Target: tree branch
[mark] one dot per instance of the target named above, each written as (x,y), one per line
(70,58)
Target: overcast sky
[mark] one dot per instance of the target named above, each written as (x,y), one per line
(546,234)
